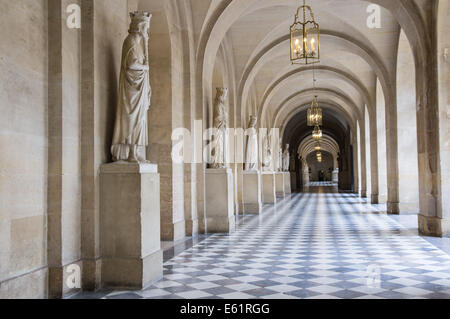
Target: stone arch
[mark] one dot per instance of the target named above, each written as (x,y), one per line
(408,15)
(347,104)
(359,49)
(328,143)
(327,104)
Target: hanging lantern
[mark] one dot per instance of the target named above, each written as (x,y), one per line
(318,147)
(317,133)
(305,37)
(314,113)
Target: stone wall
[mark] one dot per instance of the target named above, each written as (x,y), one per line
(23,149)
(58,104)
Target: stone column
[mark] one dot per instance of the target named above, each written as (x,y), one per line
(362,152)
(219,200)
(130,225)
(279,184)
(374,196)
(268,188)
(64,153)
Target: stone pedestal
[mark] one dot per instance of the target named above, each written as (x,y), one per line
(287,183)
(219,201)
(130,225)
(305,177)
(279,184)
(335,176)
(268,188)
(393,208)
(251,192)
(433,226)
(374,199)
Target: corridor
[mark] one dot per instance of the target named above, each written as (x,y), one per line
(317,244)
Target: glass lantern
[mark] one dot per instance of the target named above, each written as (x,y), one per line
(305,37)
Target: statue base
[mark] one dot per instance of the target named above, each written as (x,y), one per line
(219,201)
(287,183)
(335,176)
(279,185)
(251,192)
(130,240)
(268,188)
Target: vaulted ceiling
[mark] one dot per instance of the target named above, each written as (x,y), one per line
(346,76)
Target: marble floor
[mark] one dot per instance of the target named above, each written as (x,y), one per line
(317,244)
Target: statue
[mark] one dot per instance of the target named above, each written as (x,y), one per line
(130,132)
(220,140)
(305,172)
(286,159)
(280,156)
(267,163)
(251,157)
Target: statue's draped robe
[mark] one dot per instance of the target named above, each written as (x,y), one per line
(286,159)
(280,160)
(251,158)
(220,141)
(267,155)
(134,101)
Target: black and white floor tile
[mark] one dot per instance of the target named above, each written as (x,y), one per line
(314,245)
(322,184)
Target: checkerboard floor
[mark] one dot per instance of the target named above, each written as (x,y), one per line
(314,245)
(320,184)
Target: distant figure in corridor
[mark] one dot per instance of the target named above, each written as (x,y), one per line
(130,131)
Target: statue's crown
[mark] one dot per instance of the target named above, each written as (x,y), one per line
(138,16)
(222,92)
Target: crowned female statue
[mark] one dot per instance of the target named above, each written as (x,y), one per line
(286,159)
(251,156)
(220,141)
(130,132)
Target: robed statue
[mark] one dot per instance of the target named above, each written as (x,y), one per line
(130,132)
(280,156)
(267,154)
(220,143)
(286,159)
(251,156)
